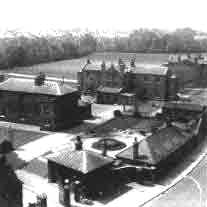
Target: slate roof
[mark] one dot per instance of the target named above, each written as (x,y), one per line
(105,89)
(82,161)
(28,86)
(92,67)
(158,146)
(128,94)
(97,66)
(150,69)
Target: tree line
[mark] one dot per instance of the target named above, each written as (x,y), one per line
(156,41)
(22,50)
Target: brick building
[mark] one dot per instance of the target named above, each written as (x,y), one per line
(190,69)
(111,81)
(150,82)
(49,104)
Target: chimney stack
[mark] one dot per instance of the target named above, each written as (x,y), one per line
(2,77)
(78,143)
(132,63)
(135,149)
(39,80)
(121,65)
(103,65)
(88,61)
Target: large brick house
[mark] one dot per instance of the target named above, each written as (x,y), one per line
(190,70)
(150,82)
(111,81)
(37,100)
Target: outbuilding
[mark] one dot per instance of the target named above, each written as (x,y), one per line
(49,104)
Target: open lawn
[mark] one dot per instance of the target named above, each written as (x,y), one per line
(69,68)
(21,137)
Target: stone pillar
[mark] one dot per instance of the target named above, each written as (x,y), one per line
(77,194)
(66,194)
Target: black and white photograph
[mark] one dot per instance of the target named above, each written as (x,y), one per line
(103,103)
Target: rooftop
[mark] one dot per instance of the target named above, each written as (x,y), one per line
(97,66)
(138,69)
(149,69)
(82,161)
(92,67)
(109,89)
(28,86)
(158,146)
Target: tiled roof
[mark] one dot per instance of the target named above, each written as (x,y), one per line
(97,66)
(109,89)
(128,94)
(92,67)
(82,161)
(150,69)
(28,86)
(158,146)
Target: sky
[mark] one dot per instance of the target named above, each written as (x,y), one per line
(102,15)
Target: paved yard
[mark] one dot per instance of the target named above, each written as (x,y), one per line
(190,191)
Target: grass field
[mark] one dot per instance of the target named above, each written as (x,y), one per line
(22,137)
(69,68)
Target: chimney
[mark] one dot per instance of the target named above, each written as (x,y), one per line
(88,61)
(63,80)
(78,143)
(120,61)
(135,149)
(121,65)
(132,63)
(39,80)
(104,152)
(2,77)
(103,65)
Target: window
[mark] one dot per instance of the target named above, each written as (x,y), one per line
(47,108)
(30,106)
(157,79)
(146,78)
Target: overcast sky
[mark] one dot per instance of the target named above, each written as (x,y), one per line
(125,15)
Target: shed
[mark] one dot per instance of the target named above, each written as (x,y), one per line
(69,163)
